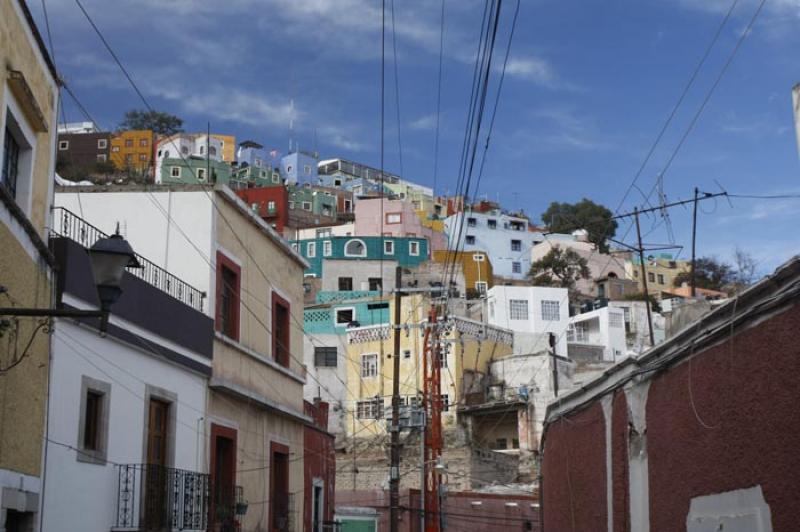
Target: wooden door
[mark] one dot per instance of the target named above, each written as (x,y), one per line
(223,479)
(157,481)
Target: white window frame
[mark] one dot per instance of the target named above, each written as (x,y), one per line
(201,174)
(369,365)
(482,287)
(307,169)
(271,205)
(63,145)
(172,171)
(477,257)
(311,250)
(551,310)
(347,244)
(102,144)
(393,218)
(306,205)
(388,247)
(336,316)
(413,248)
(516,267)
(327,248)
(518,309)
(369,408)
(516,245)
(101,158)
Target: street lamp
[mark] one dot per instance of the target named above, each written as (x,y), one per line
(108,258)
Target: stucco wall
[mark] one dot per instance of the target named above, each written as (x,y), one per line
(370,223)
(328,383)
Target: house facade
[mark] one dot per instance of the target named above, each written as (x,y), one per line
(394,217)
(660,270)
(186,146)
(602,329)
(475,265)
(28,124)
(132,150)
(127,408)
(252,280)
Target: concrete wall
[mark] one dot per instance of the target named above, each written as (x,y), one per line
(360,271)
(604,327)
(328,383)
(371,220)
(599,264)
(81,495)
(499,315)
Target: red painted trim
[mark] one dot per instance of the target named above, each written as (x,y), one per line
(230,434)
(276,449)
(281,333)
(224,262)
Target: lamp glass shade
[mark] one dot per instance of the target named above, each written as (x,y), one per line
(110,256)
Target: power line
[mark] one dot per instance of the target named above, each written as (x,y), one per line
(438,102)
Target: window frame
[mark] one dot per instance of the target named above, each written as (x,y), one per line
(363,245)
(397,216)
(368,365)
(98,455)
(226,263)
(369,408)
(104,143)
(198,175)
(327,248)
(65,144)
(547,307)
(516,245)
(411,248)
(336,312)
(322,356)
(388,247)
(515,310)
(311,249)
(516,267)
(281,350)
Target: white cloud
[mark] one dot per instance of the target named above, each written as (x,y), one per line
(532,68)
(424,123)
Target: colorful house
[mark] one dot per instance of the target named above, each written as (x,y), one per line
(132,150)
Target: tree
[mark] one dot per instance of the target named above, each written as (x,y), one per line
(745,269)
(586,214)
(559,267)
(711,273)
(159,122)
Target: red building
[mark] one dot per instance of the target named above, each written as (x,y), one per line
(271,203)
(700,433)
(319,460)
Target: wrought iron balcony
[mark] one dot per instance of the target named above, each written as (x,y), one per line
(69,225)
(154,497)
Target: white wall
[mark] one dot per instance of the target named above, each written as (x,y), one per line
(602,331)
(498,302)
(335,230)
(83,496)
(143,221)
(328,383)
(359,270)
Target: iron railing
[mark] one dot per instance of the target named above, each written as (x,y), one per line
(154,497)
(69,225)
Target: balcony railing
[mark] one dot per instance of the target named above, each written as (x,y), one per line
(69,225)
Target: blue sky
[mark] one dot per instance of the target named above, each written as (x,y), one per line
(588,87)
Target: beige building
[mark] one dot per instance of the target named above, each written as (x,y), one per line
(28,124)
(661,272)
(253,283)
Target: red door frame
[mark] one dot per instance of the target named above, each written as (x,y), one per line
(281,347)
(276,448)
(229,434)
(227,263)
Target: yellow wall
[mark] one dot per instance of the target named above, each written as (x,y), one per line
(657,267)
(228,146)
(141,146)
(474,271)
(23,389)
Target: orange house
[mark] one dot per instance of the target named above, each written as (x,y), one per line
(132,150)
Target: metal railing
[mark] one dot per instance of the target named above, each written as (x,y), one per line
(154,497)
(69,225)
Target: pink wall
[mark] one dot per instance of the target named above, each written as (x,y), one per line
(371,220)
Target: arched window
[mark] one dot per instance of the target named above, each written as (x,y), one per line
(355,248)
(212,150)
(612,275)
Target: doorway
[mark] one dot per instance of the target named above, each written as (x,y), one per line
(223,478)
(156,500)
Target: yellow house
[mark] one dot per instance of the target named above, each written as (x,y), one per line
(28,124)
(132,150)
(478,273)
(661,272)
(228,146)
(472,346)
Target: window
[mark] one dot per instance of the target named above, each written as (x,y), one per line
(355,248)
(578,332)
(228,290)
(369,365)
(202,150)
(615,319)
(281,341)
(481,287)
(651,278)
(413,248)
(516,245)
(393,218)
(516,267)
(291,205)
(375,283)
(478,257)
(212,150)
(551,310)
(345,283)
(142,157)
(660,278)
(337,182)
(515,443)
(370,409)
(294,247)
(348,205)
(128,157)
(311,250)
(344,316)
(327,248)
(518,309)
(114,149)
(184,150)
(472,222)
(378,306)
(636,273)
(406,353)
(102,144)
(306,205)
(11,156)
(93,428)
(63,145)
(128,143)
(501,444)
(325,357)
(388,247)
(175,171)
(491,224)
(445,399)
(270,206)
(101,157)
(307,169)
(470,240)
(143,143)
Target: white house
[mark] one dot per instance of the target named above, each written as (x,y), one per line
(184,145)
(532,312)
(136,395)
(603,328)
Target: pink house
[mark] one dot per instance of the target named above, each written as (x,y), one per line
(396,218)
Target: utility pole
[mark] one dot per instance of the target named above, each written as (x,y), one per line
(394,469)
(552,340)
(694,240)
(644,277)
(433,426)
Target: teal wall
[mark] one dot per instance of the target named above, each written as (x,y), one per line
(374,245)
(321,320)
(316,198)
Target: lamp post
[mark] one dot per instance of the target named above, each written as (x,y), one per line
(109,257)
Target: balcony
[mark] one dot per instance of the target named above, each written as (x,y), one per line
(335,296)
(154,497)
(67,224)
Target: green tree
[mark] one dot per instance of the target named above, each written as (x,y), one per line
(586,214)
(159,122)
(561,268)
(712,274)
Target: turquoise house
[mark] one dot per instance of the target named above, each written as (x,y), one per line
(408,252)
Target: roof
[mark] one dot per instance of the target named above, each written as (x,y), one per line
(772,294)
(686,291)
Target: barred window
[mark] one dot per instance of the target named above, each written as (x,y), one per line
(518,309)
(369,409)
(615,319)
(325,357)
(369,365)
(551,310)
